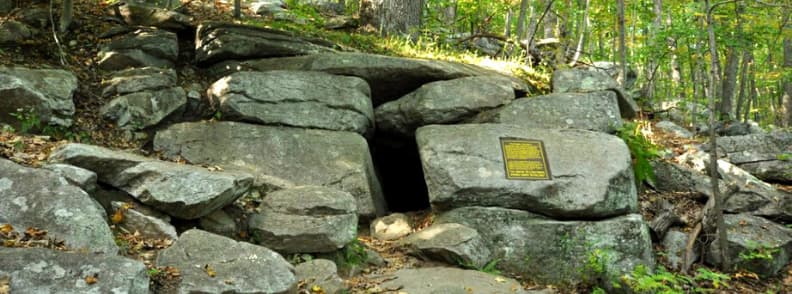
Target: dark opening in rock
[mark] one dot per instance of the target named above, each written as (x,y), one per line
(399,169)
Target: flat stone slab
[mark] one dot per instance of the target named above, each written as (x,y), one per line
(578,80)
(238,267)
(452,243)
(304,157)
(179,190)
(303,99)
(595,111)
(557,252)
(43,199)
(40,270)
(591,172)
(433,280)
(47,92)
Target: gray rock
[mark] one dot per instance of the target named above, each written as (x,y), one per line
(141,48)
(268,7)
(591,172)
(134,14)
(140,110)
(13,33)
(138,79)
(149,223)
(47,93)
(239,267)
(596,111)
(305,219)
(766,155)
(322,273)
(673,177)
(41,198)
(39,270)
(583,81)
(79,177)
(452,243)
(303,157)
(675,244)
(675,129)
(391,227)
(741,129)
(217,42)
(557,252)
(443,102)
(755,244)
(446,280)
(339,22)
(183,191)
(295,98)
(614,70)
(389,77)
(220,222)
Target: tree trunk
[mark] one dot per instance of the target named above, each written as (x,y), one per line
(787,83)
(651,65)
(713,167)
(392,16)
(747,60)
(583,32)
(550,21)
(508,24)
(521,19)
(675,68)
(622,42)
(67,12)
(729,84)
(237,9)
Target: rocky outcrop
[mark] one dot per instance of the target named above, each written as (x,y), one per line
(237,267)
(145,109)
(183,191)
(556,252)
(675,129)
(443,102)
(225,41)
(39,270)
(305,220)
(755,244)
(452,243)
(450,280)
(595,111)
(584,81)
(389,77)
(135,14)
(590,173)
(140,48)
(36,95)
(766,156)
(295,98)
(42,199)
(304,157)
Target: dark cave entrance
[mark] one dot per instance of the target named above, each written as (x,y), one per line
(398,166)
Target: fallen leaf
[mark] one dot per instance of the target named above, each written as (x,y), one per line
(5,285)
(92,279)
(210,271)
(500,280)
(6,228)
(317,290)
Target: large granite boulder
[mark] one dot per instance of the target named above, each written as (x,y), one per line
(443,102)
(435,280)
(590,173)
(595,111)
(210,263)
(452,243)
(40,270)
(767,156)
(557,252)
(305,219)
(584,81)
(614,70)
(304,157)
(755,244)
(179,190)
(140,48)
(295,98)
(43,94)
(216,41)
(389,77)
(43,199)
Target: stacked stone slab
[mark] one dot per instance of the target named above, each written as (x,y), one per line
(544,229)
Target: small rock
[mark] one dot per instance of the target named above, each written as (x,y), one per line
(755,244)
(434,280)
(675,244)
(141,48)
(320,273)
(452,243)
(80,177)
(674,129)
(220,222)
(391,227)
(45,94)
(147,222)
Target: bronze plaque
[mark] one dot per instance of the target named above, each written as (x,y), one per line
(525,159)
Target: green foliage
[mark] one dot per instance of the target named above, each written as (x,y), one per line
(597,261)
(28,120)
(354,254)
(757,251)
(641,280)
(153,272)
(298,258)
(718,280)
(641,149)
(784,156)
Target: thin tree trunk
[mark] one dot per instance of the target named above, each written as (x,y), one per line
(67,12)
(392,16)
(729,84)
(521,19)
(786,96)
(676,71)
(651,68)
(622,42)
(237,9)
(550,22)
(507,26)
(746,62)
(713,168)
(583,33)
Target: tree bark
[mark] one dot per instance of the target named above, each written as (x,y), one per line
(786,96)
(622,42)
(747,61)
(583,33)
(521,19)
(550,22)
(651,64)
(67,12)
(729,84)
(508,24)
(392,16)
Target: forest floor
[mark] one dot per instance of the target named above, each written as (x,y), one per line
(80,46)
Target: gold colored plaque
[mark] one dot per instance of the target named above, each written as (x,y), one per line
(525,159)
